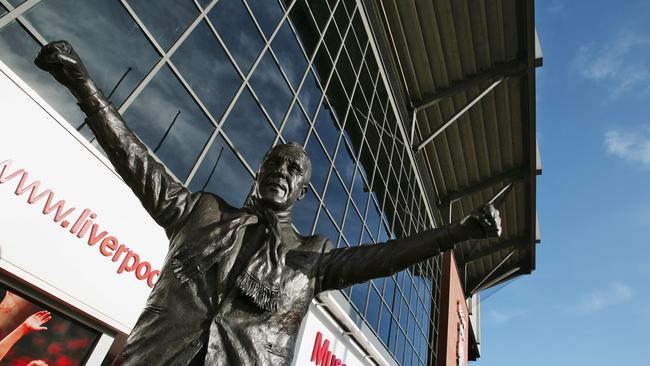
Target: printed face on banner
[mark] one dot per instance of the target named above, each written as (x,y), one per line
(35,335)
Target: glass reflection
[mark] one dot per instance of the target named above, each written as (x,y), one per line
(310,94)
(296,127)
(344,163)
(167,19)
(384,324)
(3,11)
(223,174)
(327,228)
(18,50)
(327,129)
(372,312)
(352,227)
(168,120)
(268,14)
(304,23)
(290,56)
(205,66)
(116,53)
(359,295)
(359,192)
(249,130)
(272,89)
(236,28)
(336,198)
(305,212)
(320,165)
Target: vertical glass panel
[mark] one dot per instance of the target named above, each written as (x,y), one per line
(321,12)
(15,3)
(290,56)
(384,324)
(271,88)
(327,228)
(304,213)
(345,163)
(304,23)
(310,95)
(268,14)
(372,313)
(3,11)
(320,165)
(327,129)
(359,296)
(205,3)
(335,199)
(372,219)
(223,174)
(352,227)
(296,127)
(168,120)
(323,64)
(18,50)
(249,130)
(125,54)
(167,19)
(360,192)
(239,33)
(399,347)
(205,66)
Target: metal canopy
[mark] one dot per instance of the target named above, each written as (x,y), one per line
(441,57)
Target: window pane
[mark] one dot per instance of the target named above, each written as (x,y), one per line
(223,174)
(239,33)
(18,50)
(335,199)
(290,56)
(296,127)
(352,227)
(168,120)
(327,228)
(125,55)
(345,163)
(167,19)
(372,313)
(310,95)
(360,192)
(271,88)
(359,295)
(320,165)
(327,129)
(249,130)
(304,213)
(205,66)
(267,13)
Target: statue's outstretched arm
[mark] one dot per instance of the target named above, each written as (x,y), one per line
(166,200)
(342,267)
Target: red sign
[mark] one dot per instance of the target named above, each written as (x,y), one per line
(84,224)
(321,355)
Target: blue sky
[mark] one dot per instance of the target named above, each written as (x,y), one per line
(587,302)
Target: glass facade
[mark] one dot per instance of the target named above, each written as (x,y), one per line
(210,86)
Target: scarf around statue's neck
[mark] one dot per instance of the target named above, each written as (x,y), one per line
(261,277)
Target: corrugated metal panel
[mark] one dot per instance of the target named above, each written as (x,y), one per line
(435,45)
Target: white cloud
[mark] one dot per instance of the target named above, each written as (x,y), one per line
(501,317)
(621,63)
(614,294)
(633,147)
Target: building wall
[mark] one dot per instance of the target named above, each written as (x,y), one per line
(209,86)
(454,341)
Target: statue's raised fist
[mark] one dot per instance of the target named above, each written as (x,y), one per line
(483,223)
(62,62)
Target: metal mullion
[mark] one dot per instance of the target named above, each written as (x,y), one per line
(165,54)
(341,123)
(17,12)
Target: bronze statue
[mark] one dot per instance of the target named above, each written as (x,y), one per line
(236,282)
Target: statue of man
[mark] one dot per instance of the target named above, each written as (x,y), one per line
(236,282)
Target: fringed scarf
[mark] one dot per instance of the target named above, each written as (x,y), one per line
(261,279)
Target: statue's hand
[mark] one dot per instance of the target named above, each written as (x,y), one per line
(62,62)
(483,223)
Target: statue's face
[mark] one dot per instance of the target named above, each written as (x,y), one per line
(283,177)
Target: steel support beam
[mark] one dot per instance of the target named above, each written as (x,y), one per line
(457,115)
(492,272)
(504,69)
(509,176)
(517,242)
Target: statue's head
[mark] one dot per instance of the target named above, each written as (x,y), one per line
(283,177)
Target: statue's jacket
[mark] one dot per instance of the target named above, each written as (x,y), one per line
(209,315)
